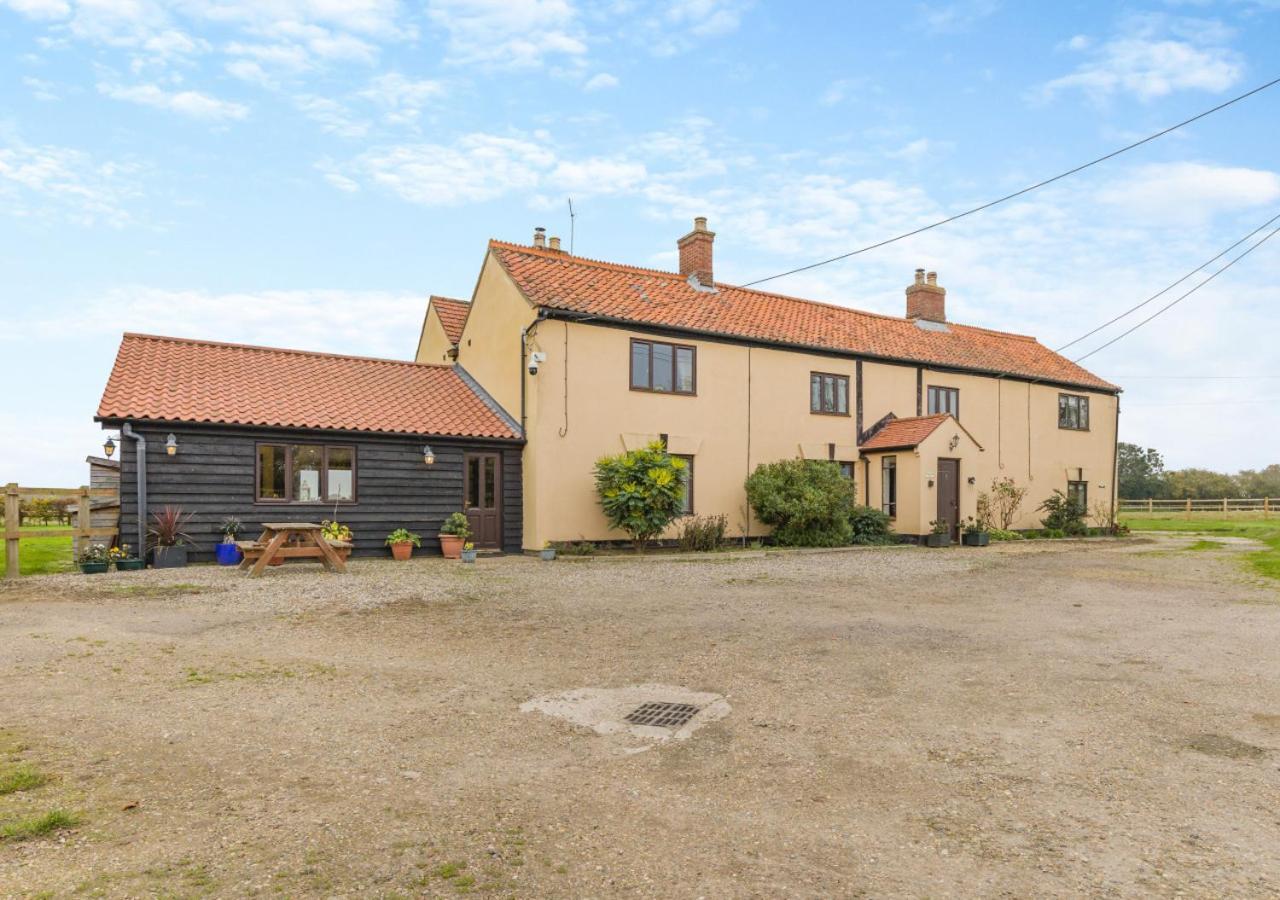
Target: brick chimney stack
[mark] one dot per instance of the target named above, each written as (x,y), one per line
(539,237)
(695,252)
(925,300)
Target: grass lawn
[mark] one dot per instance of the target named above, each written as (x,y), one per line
(44,555)
(1265,562)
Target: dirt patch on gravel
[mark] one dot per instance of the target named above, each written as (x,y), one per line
(1055,720)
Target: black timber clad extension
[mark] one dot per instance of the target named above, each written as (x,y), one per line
(212,475)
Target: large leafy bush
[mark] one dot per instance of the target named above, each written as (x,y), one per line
(641,491)
(807,502)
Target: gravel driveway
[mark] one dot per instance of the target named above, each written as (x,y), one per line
(1050,719)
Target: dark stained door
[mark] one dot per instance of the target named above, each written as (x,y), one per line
(949,495)
(482,498)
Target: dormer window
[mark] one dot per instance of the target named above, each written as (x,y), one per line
(944,400)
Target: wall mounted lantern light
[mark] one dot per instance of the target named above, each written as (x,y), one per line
(109,447)
(171,445)
(954,443)
(929,478)
(428,455)
(973,480)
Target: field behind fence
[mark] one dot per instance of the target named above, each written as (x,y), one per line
(50,549)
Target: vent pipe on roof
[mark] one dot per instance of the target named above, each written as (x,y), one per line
(539,237)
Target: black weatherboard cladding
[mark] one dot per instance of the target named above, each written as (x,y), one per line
(212,475)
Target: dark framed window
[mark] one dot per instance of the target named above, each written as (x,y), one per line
(305,473)
(687,509)
(944,400)
(846,468)
(828,394)
(1078,491)
(663,368)
(1073,412)
(889,486)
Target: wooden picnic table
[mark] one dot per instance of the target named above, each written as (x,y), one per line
(289,540)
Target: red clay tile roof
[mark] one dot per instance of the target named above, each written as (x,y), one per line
(901,433)
(453,315)
(556,280)
(173,379)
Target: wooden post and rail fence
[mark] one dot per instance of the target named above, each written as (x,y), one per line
(84,530)
(1188,506)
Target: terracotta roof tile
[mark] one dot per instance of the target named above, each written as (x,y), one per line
(556,280)
(173,379)
(903,433)
(453,315)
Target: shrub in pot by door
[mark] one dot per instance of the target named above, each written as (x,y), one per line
(468,552)
(226,552)
(169,537)
(453,534)
(940,536)
(548,552)
(93,560)
(975,533)
(402,541)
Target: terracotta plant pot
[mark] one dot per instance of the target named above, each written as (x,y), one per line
(402,551)
(451,545)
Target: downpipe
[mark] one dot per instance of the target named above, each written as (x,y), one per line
(126,430)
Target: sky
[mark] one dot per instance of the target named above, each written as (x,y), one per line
(304,173)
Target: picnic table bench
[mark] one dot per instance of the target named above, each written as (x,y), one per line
(292,540)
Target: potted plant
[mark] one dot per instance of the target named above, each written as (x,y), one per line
(168,531)
(93,560)
(123,561)
(468,552)
(226,551)
(338,535)
(940,536)
(453,534)
(402,541)
(548,552)
(975,534)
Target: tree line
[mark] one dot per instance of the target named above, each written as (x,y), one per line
(44,510)
(1142,476)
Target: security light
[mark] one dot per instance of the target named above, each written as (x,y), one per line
(171,445)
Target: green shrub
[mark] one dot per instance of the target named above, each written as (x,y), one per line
(700,533)
(1053,533)
(574,548)
(1004,534)
(869,526)
(641,491)
(808,503)
(1064,514)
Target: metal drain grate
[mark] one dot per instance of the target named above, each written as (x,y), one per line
(663,715)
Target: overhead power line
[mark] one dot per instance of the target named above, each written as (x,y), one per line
(1170,305)
(1025,190)
(1166,290)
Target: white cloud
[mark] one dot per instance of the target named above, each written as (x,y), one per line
(40,183)
(41,89)
(958,16)
(600,82)
(675,26)
(332,116)
(187,103)
(913,151)
(39,9)
(508,33)
(402,99)
(1189,191)
(476,168)
(1153,57)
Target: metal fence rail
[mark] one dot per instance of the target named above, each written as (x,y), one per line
(1264,505)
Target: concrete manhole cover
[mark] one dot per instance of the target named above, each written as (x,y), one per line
(655,712)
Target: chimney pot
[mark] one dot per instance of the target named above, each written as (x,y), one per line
(925,299)
(555,243)
(695,252)
(539,237)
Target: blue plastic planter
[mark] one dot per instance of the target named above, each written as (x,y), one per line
(228,554)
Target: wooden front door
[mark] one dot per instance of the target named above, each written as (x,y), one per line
(949,495)
(482,498)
